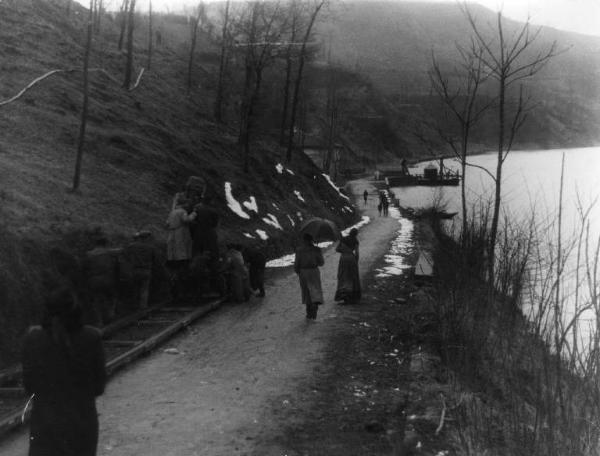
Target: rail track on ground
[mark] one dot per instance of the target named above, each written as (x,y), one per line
(124,341)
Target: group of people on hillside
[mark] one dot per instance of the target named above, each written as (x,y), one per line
(308,259)
(193,256)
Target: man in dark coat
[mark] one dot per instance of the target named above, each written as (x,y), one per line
(205,240)
(256,261)
(101,273)
(140,257)
(63,367)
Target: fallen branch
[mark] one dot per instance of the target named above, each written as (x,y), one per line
(442,417)
(53,72)
(137,81)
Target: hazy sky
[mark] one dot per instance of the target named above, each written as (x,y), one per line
(576,15)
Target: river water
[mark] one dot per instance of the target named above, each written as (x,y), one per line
(530,188)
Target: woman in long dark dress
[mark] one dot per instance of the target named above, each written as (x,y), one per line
(63,367)
(348,288)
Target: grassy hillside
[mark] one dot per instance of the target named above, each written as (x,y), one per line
(141,146)
(391,43)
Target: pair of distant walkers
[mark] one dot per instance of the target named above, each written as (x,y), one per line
(309,258)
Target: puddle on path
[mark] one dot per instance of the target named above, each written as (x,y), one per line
(402,246)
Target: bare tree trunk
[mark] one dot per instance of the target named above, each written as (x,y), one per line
(498,189)
(222,64)
(129,64)
(99,12)
(84,110)
(288,79)
(149,63)
(298,83)
(194,39)
(123,12)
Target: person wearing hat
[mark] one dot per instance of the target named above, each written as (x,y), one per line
(100,268)
(64,370)
(140,257)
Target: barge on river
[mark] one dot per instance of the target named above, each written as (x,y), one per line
(430,177)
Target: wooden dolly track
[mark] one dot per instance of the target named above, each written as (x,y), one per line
(127,350)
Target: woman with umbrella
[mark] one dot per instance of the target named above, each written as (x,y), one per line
(306,265)
(348,288)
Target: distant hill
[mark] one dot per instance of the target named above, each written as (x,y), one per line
(391,43)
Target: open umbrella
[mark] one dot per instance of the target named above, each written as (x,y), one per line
(320,229)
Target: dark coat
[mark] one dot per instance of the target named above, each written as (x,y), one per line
(65,381)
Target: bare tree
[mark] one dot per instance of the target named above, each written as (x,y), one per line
(295,11)
(318,5)
(263,28)
(225,44)
(508,60)
(459,92)
(123,15)
(84,110)
(149,62)
(129,62)
(199,18)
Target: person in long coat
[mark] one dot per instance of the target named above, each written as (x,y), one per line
(348,286)
(239,281)
(63,367)
(306,264)
(179,242)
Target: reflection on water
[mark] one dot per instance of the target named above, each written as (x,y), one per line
(530,193)
(401,247)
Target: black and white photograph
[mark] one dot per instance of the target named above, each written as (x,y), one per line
(300,227)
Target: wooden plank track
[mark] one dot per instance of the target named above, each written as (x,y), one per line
(136,348)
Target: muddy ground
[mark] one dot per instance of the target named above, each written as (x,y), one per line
(259,379)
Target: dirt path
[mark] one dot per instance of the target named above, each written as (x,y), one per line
(209,399)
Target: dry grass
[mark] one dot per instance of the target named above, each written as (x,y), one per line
(140,148)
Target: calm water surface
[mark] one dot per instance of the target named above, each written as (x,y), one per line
(530,188)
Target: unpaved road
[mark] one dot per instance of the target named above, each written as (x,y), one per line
(211,399)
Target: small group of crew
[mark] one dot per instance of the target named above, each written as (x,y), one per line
(308,259)
(194,259)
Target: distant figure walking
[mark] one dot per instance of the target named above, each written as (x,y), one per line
(63,367)
(306,265)
(348,286)
(405,167)
(385,204)
(366,196)
(179,242)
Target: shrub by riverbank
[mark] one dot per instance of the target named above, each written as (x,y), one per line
(519,387)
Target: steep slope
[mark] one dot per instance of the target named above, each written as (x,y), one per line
(392,44)
(140,148)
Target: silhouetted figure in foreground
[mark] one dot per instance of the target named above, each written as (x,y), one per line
(63,367)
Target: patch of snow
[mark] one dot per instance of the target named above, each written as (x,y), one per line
(282,262)
(279,168)
(248,235)
(401,247)
(364,220)
(323,245)
(263,235)
(251,204)
(299,214)
(290,171)
(337,189)
(299,195)
(272,220)
(275,206)
(232,203)
(291,220)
